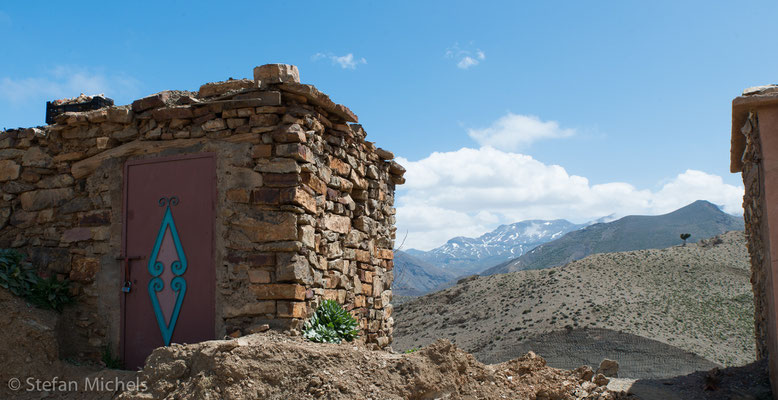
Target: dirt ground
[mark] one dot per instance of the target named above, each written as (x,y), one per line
(29,359)
(276,366)
(749,382)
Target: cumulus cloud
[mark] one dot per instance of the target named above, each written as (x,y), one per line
(512,132)
(346,62)
(67,81)
(465,58)
(470,191)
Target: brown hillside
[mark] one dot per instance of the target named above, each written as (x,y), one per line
(697,298)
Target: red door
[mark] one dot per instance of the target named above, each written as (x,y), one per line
(169,274)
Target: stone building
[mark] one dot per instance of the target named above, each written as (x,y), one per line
(189,216)
(754,152)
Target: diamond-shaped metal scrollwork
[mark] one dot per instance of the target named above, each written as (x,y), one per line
(166,302)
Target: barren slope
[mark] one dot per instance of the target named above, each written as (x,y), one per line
(697,298)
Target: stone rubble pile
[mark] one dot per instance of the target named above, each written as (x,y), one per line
(82,98)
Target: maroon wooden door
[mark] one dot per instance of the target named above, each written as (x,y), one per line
(169,275)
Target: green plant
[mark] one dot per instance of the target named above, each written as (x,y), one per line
(685,236)
(109,359)
(411,350)
(16,275)
(50,293)
(21,279)
(330,324)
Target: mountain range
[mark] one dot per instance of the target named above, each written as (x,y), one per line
(414,277)
(695,298)
(700,219)
(535,244)
(464,256)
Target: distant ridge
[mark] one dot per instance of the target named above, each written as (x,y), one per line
(701,219)
(467,256)
(414,277)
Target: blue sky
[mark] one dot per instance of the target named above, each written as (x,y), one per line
(631,100)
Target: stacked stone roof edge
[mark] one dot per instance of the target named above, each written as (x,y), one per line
(750,100)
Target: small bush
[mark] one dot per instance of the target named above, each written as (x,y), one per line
(21,279)
(50,293)
(16,275)
(330,324)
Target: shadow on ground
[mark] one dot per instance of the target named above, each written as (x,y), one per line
(749,382)
(638,357)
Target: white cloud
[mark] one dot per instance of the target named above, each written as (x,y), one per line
(466,58)
(512,132)
(67,81)
(469,191)
(346,62)
(467,62)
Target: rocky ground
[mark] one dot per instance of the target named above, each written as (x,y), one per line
(275,366)
(696,298)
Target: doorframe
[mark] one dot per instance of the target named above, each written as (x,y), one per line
(125,196)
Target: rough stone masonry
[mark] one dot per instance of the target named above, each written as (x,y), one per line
(754,152)
(304,204)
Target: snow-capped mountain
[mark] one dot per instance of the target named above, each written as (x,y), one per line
(464,255)
(700,219)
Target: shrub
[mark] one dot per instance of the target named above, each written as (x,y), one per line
(50,293)
(21,279)
(16,275)
(330,324)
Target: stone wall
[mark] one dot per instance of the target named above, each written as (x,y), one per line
(754,152)
(757,232)
(304,207)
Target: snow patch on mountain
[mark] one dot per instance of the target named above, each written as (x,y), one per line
(471,255)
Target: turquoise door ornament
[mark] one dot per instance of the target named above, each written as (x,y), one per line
(167,248)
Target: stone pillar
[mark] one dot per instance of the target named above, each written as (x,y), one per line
(754,152)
